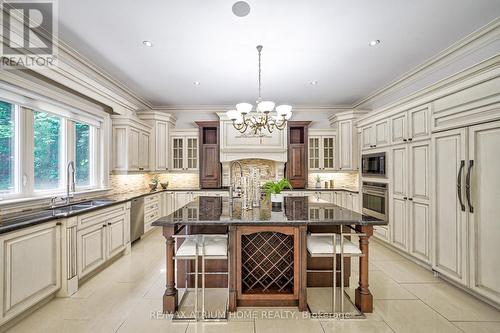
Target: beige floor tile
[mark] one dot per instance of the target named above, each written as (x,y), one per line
(146,316)
(383,286)
(412,316)
(320,300)
(287,326)
(52,325)
(478,327)
(407,272)
(453,303)
(227,327)
(358,326)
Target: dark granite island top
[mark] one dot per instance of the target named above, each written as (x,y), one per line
(268,261)
(297,211)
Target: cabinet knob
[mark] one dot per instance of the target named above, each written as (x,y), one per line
(405,140)
(411,199)
(405,198)
(109,223)
(410,139)
(104,225)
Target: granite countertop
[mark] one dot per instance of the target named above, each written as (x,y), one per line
(314,189)
(223,211)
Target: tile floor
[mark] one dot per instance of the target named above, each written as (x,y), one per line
(126,297)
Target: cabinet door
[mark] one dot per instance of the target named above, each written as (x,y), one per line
(399,171)
(348,200)
(178,153)
(420,217)
(328,153)
(381,133)
(419,180)
(449,228)
(399,223)
(484,227)
(133,149)
(355,203)
(30,267)
(399,131)
(367,137)
(295,167)
(91,245)
(314,151)
(419,124)
(161,146)
(345,145)
(116,234)
(191,152)
(120,148)
(144,151)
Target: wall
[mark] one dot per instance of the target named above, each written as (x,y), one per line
(140,182)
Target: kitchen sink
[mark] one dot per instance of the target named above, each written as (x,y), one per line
(77,207)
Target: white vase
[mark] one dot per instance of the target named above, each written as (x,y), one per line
(276,202)
(277,197)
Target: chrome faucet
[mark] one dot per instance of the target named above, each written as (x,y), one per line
(70,172)
(232,184)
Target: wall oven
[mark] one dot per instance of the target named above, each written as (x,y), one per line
(375,200)
(373,165)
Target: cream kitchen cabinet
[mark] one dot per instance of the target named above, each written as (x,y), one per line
(347,139)
(466,209)
(321,195)
(322,152)
(100,236)
(410,204)
(131,144)
(159,148)
(376,135)
(412,125)
(182,198)
(152,210)
(184,151)
(30,269)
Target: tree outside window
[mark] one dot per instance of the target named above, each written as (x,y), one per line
(82,154)
(7,147)
(47,132)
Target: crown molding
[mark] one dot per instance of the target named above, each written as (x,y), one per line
(469,44)
(224,108)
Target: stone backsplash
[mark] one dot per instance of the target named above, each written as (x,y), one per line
(267,169)
(341,179)
(140,182)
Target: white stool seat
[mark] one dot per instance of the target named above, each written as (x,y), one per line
(187,248)
(215,246)
(322,245)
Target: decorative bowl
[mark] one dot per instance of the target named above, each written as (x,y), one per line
(164,185)
(152,187)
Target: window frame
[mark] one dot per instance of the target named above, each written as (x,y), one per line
(24,181)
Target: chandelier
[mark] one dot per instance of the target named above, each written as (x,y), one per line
(245,118)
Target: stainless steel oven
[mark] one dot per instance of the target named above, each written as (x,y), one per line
(375,200)
(373,165)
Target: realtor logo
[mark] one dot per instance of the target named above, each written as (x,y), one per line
(29,30)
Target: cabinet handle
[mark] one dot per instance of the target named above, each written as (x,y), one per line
(410,139)
(459,185)
(411,199)
(405,198)
(467,186)
(58,223)
(104,225)
(405,140)
(109,223)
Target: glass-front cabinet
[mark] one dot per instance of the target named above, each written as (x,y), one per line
(322,152)
(184,153)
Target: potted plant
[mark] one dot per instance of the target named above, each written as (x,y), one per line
(273,189)
(154,182)
(318,181)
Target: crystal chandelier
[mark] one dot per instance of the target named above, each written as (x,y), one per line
(245,119)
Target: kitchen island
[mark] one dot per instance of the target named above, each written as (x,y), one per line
(268,255)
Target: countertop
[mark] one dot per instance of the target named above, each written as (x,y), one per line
(314,189)
(220,211)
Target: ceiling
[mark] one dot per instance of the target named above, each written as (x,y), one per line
(304,41)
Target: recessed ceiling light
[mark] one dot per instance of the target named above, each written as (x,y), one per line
(241,8)
(374,42)
(196,83)
(313,83)
(147,43)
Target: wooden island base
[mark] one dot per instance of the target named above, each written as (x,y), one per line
(268,267)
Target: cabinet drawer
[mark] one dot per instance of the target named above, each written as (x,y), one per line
(151,217)
(151,207)
(381,233)
(150,199)
(100,216)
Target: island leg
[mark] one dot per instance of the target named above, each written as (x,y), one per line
(303,268)
(170,295)
(363,296)
(232,269)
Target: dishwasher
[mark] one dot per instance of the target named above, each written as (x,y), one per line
(136,219)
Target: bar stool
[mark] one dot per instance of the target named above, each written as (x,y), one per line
(329,245)
(213,247)
(188,250)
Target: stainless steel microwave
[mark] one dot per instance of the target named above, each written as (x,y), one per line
(373,164)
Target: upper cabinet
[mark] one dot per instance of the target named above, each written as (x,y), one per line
(347,139)
(184,150)
(322,150)
(159,149)
(210,166)
(376,135)
(412,125)
(296,165)
(131,144)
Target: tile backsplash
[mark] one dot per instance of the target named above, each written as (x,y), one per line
(139,182)
(341,179)
(267,169)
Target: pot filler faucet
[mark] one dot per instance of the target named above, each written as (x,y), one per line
(70,175)
(232,183)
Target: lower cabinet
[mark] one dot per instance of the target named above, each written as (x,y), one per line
(91,248)
(30,269)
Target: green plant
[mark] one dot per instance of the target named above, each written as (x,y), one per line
(155,180)
(276,187)
(317,178)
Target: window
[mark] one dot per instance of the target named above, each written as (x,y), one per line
(47,156)
(82,154)
(7,147)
